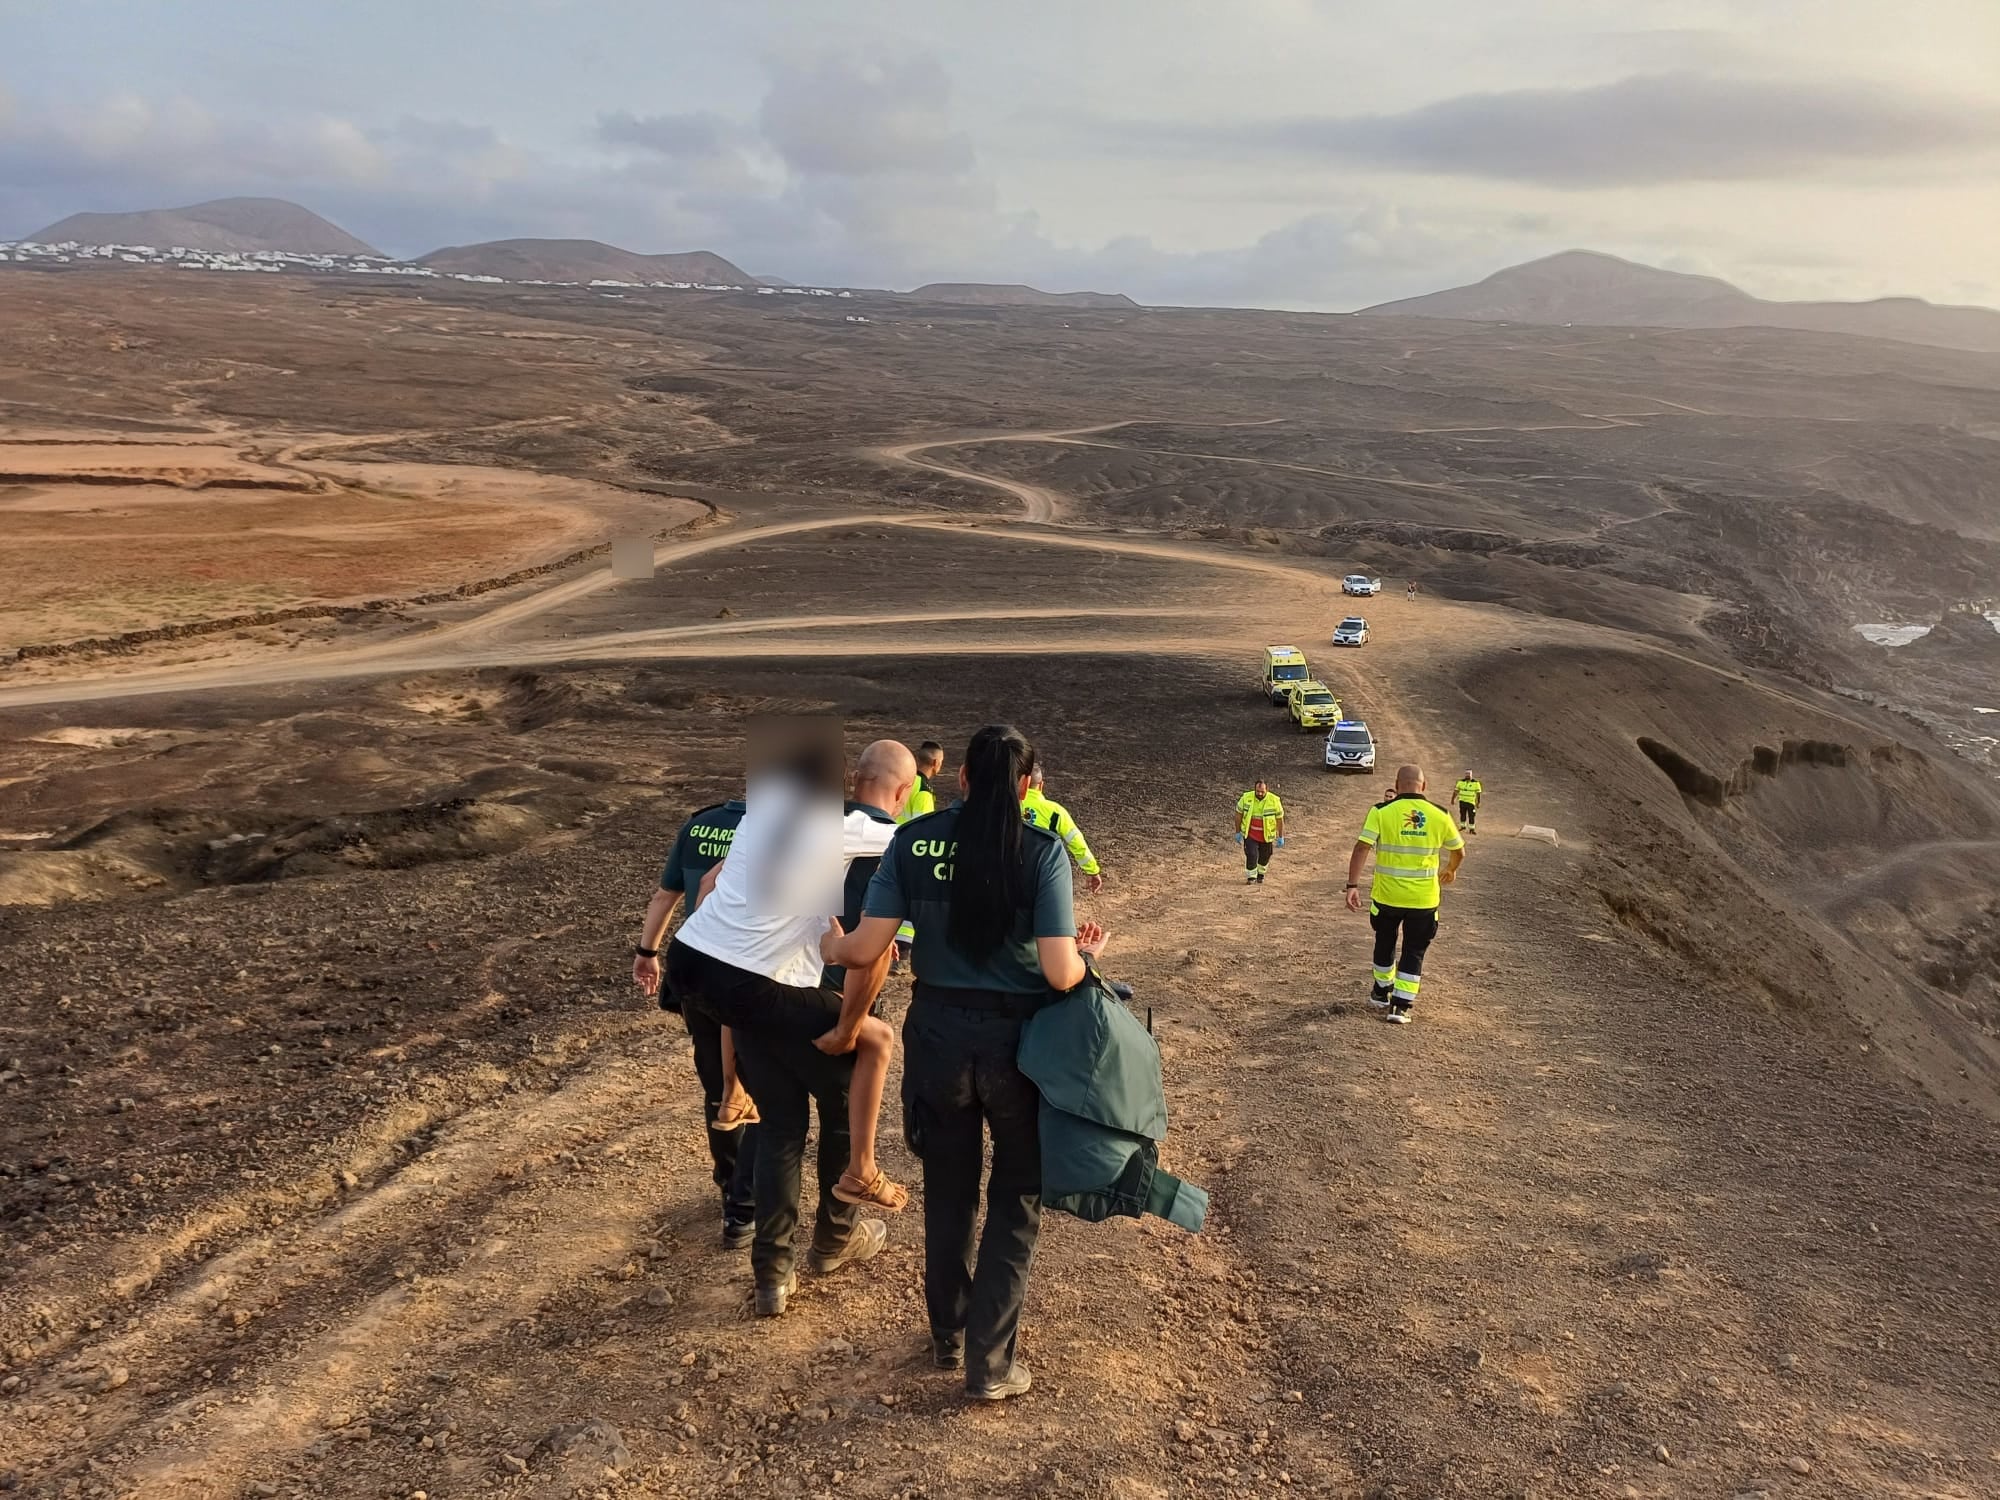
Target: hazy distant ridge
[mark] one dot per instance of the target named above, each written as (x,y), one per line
(583,260)
(224,224)
(1584,286)
(995,294)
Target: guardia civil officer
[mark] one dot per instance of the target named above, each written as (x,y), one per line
(996,933)
(701,844)
(922,799)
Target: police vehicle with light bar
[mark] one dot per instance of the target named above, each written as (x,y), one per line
(1350,747)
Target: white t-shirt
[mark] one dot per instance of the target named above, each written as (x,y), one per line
(781,881)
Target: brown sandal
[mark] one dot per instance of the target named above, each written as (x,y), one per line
(875,1192)
(747,1115)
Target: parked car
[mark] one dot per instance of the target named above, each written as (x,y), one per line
(1352,631)
(1361,584)
(1350,747)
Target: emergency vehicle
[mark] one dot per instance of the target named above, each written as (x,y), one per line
(1312,705)
(1283,666)
(1350,747)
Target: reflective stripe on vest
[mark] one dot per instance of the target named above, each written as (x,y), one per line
(1411,835)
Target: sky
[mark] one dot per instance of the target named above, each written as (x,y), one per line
(1275,153)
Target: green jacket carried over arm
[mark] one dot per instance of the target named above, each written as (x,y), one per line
(1104,1112)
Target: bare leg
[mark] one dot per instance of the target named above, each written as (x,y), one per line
(737,1108)
(863,1181)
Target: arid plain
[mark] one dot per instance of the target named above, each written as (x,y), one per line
(337,1156)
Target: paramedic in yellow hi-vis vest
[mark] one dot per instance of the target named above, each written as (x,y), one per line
(921,801)
(1041,811)
(1409,836)
(1260,828)
(1468,794)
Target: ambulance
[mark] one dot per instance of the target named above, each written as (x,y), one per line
(1283,666)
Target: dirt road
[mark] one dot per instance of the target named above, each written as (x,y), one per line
(1037,504)
(491,637)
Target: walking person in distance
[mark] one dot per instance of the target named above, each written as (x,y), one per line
(1260,829)
(1409,835)
(1468,793)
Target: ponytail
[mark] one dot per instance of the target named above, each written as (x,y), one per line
(989,884)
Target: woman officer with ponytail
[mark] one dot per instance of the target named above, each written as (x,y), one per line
(996,934)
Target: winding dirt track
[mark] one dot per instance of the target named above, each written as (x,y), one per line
(482,640)
(477,640)
(1037,504)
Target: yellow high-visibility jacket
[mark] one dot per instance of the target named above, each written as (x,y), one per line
(922,799)
(1040,811)
(1260,818)
(1410,836)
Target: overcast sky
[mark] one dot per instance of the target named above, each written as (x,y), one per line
(1286,153)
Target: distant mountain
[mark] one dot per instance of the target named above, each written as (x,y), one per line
(582,260)
(238,224)
(993,294)
(1583,286)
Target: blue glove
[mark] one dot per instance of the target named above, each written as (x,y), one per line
(1281,843)
(1239,838)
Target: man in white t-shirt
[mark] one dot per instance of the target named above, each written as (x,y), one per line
(749,957)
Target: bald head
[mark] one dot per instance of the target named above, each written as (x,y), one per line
(1409,778)
(1035,778)
(885,763)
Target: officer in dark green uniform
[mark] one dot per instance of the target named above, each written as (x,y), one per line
(996,933)
(703,841)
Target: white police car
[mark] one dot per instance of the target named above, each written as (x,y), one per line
(1361,584)
(1352,631)
(1350,747)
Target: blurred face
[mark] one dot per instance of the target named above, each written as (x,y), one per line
(1261,788)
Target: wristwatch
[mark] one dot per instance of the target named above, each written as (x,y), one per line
(638,952)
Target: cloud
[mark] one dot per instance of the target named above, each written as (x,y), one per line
(855,169)
(444,135)
(1643,130)
(130,136)
(843,116)
(852,172)
(704,134)
(130,153)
